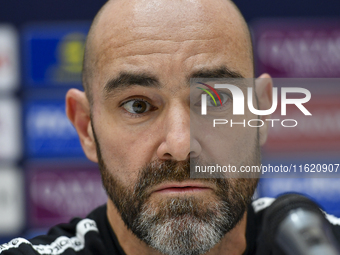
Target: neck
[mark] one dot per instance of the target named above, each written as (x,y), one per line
(233,243)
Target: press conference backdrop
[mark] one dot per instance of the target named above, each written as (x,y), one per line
(45,178)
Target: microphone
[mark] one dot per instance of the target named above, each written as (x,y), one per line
(294,225)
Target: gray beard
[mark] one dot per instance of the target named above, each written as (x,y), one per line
(181,225)
(182,233)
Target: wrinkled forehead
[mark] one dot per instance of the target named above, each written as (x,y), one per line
(124,27)
(169,13)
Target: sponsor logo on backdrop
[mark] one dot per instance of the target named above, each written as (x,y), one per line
(9,73)
(54,54)
(325,191)
(70,51)
(298,48)
(49,133)
(59,194)
(10,133)
(11,201)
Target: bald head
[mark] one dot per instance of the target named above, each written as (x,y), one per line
(121,27)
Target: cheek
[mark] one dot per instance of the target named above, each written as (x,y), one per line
(125,150)
(226,144)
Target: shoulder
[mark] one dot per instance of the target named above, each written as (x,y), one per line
(262,203)
(72,238)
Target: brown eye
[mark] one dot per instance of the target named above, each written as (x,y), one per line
(137,106)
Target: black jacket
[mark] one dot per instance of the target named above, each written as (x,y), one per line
(94,236)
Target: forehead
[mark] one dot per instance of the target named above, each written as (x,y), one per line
(175,36)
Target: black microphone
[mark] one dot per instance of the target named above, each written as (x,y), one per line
(294,225)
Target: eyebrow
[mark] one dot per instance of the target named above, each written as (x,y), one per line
(220,72)
(213,75)
(127,79)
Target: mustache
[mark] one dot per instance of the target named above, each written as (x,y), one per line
(158,172)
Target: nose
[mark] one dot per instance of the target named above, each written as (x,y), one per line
(176,141)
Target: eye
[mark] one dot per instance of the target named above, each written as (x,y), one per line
(223,96)
(137,106)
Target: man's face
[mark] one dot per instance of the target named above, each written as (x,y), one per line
(146,52)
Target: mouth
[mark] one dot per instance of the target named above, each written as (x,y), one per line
(186,187)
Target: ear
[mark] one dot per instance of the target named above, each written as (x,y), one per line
(264,92)
(78,112)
